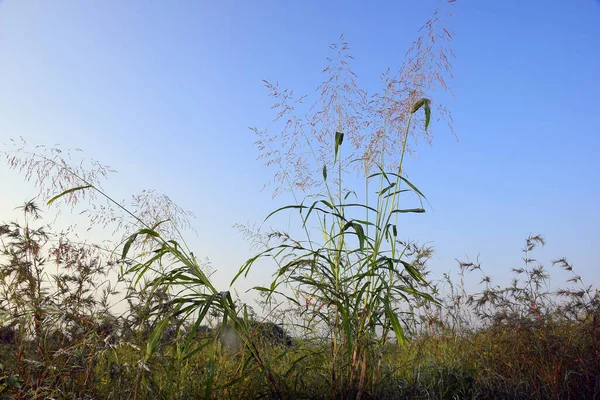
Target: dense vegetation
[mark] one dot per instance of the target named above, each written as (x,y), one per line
(60,340)
(350,312)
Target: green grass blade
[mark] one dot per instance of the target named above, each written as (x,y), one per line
(75,189)
(397,328)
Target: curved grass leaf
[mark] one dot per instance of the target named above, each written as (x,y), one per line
(300,207)
(75,189)
(397,328)
(425,104)
(154,338)
(409,210)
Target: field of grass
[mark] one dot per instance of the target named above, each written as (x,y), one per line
(350,312)
(516,342)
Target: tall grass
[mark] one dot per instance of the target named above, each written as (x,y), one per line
(354,280)
(54,308)
(162,262)
(366,320)
(357,289)
(348,269)
(491,343)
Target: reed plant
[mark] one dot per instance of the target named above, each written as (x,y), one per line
(346,271)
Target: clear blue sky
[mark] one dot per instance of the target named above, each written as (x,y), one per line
(165,91)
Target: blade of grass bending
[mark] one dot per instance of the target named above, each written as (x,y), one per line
(412,271)
(385,189)
(246,267)
(127,245)
(75,189)
(427,115)
(409,210)
(359,232)
(396,192)
(131,239)
(152,231)
(149,232)
(398,331)
(285,208)
(356,205)
(349,193)
(425,104)
(413,187)
(312,207)
(154,337)
(140,269)
(272,291)
(412,291)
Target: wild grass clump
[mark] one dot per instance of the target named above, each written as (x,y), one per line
(526,340)
(507,349)
(54,305)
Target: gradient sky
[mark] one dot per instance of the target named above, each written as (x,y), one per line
(164,92)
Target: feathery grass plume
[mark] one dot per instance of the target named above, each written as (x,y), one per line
(153,253)
(66,176)
(300,145)
(351,270)
(53,170)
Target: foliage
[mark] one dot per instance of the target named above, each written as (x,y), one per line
(459,348)
(350,312)
(54,323)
